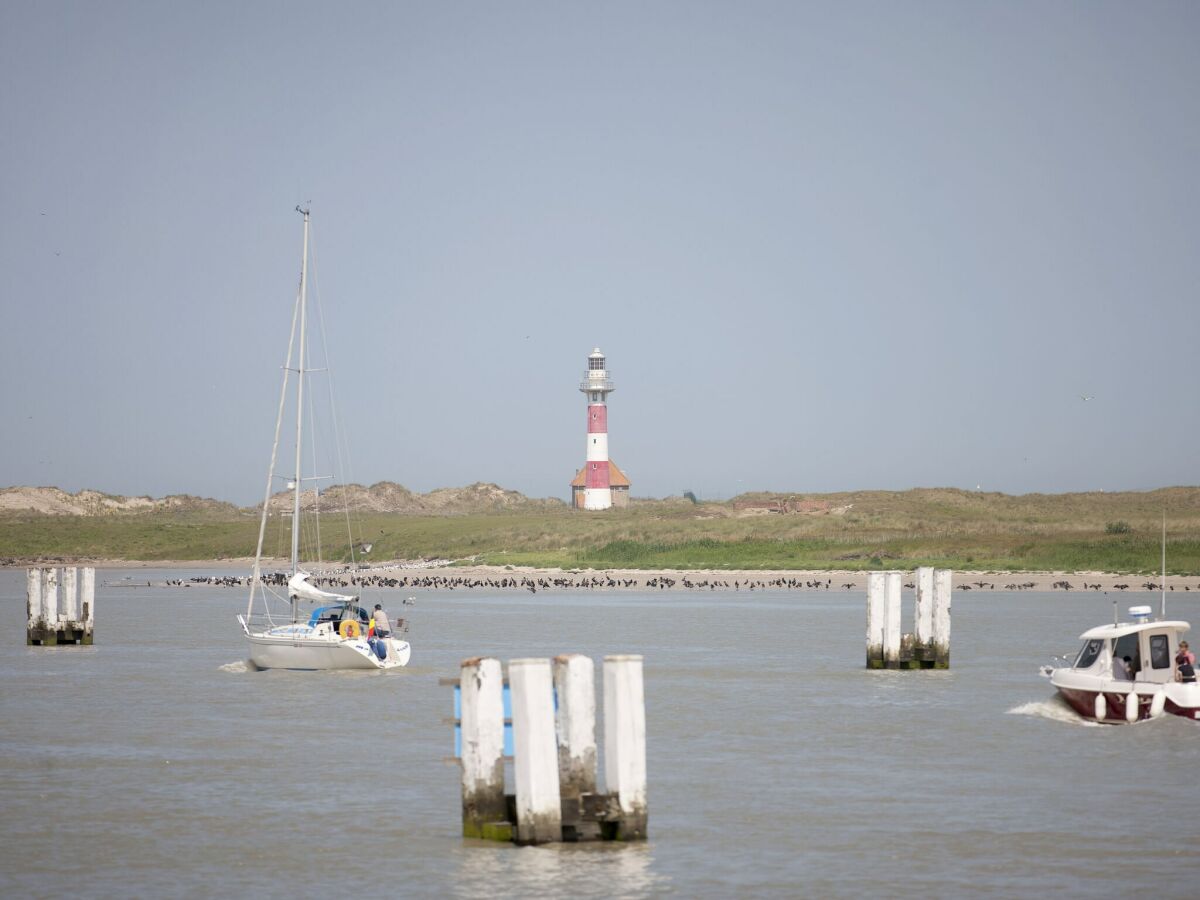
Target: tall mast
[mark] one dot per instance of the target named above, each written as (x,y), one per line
(262,525)
(300,404)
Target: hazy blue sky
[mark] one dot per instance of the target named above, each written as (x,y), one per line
(825,246)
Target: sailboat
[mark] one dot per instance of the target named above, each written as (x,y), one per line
(336,633)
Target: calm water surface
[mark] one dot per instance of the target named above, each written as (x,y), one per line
(154,764)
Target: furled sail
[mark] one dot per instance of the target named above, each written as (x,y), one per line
(298,586)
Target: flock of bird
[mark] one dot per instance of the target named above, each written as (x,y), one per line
(533,584)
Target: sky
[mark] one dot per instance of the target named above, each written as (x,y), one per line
(824,247)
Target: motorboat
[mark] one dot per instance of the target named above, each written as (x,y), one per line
(1127,672)
(281,631)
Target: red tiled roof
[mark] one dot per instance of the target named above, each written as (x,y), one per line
(616,478)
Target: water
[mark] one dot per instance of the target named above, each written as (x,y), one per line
(155,764)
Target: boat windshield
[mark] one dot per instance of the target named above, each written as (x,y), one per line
(336,614)
(1088,654)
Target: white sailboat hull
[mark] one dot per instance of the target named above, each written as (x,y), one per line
(320,652)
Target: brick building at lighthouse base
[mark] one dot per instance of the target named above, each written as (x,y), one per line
(618,483)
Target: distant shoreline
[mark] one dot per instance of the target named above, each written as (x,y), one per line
(426,577)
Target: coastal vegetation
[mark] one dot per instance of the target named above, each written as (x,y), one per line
(1113,532)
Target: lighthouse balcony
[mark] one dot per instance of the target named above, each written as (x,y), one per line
(592,383)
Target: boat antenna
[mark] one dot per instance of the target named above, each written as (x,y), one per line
(1162,606)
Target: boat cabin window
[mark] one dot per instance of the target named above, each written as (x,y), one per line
(1088,654)
(1127,645)
(1160,652)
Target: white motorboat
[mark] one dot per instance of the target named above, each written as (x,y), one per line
(337,633)
(1128,672)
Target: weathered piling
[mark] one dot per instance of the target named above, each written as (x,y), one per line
(53,620)
(50,607)
(553,750)
(481,687)
(891,617)
(34,614)
(875,620)
(929,646)
(69,610)
(575,728)
(923,617)
(87,601)
(942,589)
(625,743)
(535,756)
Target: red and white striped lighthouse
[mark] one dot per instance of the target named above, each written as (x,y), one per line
(596,385)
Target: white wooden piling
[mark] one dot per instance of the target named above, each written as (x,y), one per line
(87,602)
(575,723)
(481,717)
(34,615)
(68,609)
(923,616)
(33,595)
(875,620)
(535,753)
(575,727)
(50,596)
(625,743)
(943,583)
(891,631)
(47,635)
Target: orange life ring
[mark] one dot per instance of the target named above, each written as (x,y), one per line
(350,629)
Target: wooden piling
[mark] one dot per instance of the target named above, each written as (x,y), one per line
(87,602)
(535,754)
(50,606)
(34,615)
(875,620)
(43,627)
(625,744)
(575,728)
(891,633)
(68,609)
(940,639)
(923,617)
(54,620)
(481,692)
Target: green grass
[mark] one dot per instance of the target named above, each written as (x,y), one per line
(874,529)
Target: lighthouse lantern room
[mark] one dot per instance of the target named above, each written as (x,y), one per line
(600,484)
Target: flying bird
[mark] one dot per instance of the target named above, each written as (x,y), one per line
(1085,398)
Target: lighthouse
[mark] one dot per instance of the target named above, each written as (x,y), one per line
(600,484)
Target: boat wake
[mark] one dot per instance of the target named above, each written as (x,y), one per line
(237,668)
(1055,709)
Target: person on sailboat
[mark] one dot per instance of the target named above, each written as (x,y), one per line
(383,625)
